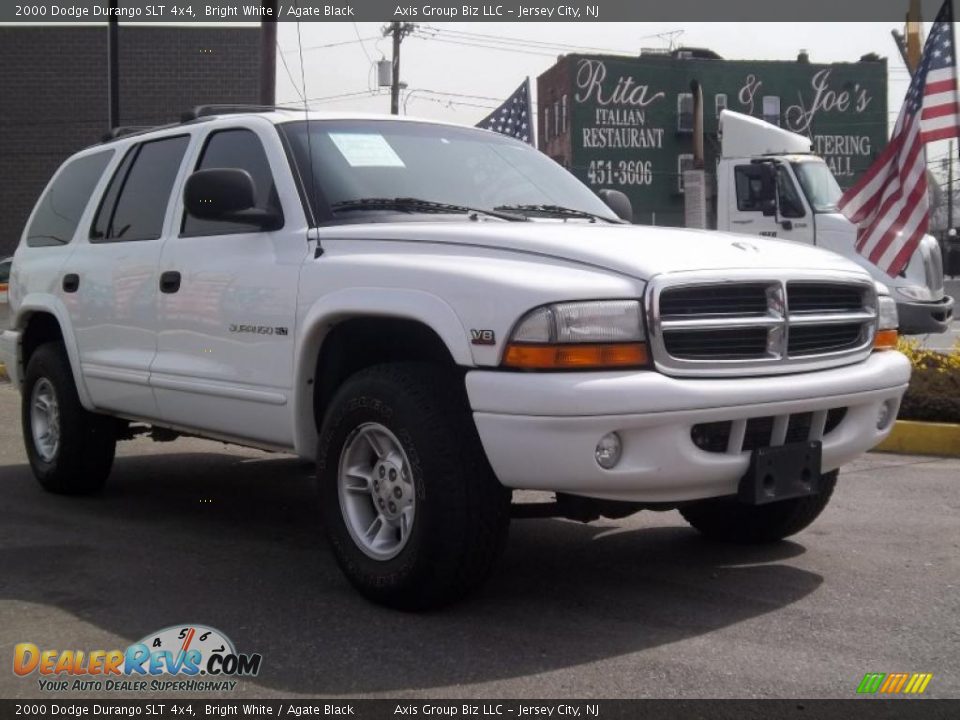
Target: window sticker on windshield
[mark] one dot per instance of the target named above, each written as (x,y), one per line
(366,150)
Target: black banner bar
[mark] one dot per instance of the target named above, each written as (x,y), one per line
(180,709)
(46,11)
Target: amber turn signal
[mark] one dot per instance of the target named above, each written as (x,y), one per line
(574,356)
(885,340)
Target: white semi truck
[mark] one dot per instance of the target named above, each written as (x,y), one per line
(770,183)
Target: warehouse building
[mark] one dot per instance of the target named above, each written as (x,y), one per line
(627,122)
(53,85)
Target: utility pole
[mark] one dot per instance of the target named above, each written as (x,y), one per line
(950,188)
(113,68)
(268,53)
(398,31)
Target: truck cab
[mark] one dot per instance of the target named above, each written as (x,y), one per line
(769,183)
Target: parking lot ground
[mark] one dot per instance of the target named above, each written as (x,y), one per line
(194,531)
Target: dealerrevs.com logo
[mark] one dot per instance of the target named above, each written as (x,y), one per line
(178,658)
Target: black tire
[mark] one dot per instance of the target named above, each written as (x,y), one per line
(462,511)
(81,462)
(728,520)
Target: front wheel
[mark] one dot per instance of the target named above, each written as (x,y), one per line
(69,448)
(729,520)
(413,512)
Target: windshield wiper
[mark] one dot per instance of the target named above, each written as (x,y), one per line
(416,205)
(556,211)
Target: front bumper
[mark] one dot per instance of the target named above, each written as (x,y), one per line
(9,356)
(540,430)
(921,318)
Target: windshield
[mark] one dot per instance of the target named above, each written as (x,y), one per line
(819,185)
(375,159)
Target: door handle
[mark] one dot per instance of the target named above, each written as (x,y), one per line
(71,282)
(170,281)
(741,222)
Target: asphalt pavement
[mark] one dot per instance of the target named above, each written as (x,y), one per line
(194,531)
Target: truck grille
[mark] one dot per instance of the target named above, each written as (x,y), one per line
(732,327)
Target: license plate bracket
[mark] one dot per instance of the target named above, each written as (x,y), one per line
(782,473)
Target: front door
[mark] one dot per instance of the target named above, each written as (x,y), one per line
(227,313)
(782,214)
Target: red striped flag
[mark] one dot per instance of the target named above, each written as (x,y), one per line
(889,203)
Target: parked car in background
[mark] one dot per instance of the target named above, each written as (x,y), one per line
(4,293)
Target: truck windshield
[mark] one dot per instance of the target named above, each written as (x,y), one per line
(426,166)
(821,188)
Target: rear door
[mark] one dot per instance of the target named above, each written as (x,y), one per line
(113,277)
(224,361)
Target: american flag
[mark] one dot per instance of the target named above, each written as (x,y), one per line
(889,203)
(513,116)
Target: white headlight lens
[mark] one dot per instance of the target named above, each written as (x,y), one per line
(603,321)
(887,311)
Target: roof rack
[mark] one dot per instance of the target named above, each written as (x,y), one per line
(229,109)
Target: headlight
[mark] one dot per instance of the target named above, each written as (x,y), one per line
(914,293)
(887,323)
(579,335)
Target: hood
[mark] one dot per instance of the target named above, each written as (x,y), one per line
(635,250)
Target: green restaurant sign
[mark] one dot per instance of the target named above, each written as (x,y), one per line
(627,123)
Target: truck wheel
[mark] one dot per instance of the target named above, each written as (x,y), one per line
(70,449)
(414,514)
(728,520)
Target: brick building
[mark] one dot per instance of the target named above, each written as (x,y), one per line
(53,93)
(627,122)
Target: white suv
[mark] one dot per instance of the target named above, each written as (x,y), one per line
(438,315)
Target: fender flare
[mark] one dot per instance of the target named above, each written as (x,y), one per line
(315,324)
(36,303)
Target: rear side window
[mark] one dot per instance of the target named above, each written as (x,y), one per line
(59,210)
(5,272)
(236,149)
(135,203)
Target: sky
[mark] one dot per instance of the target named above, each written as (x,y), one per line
(451,77)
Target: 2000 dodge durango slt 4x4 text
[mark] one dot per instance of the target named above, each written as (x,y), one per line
(437,315)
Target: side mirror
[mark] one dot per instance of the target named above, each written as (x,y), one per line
(226,194)
(619,203)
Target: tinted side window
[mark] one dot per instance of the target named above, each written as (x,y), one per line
(749,182)
(135,203)
(236,149)
(5,272)
(61,206)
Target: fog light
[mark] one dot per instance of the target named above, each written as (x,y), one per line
(608,451)
(886,415)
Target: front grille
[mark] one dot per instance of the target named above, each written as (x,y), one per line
(715,300)
(716,344)
(814,339)
(824,297)
(758,432)
(731,327)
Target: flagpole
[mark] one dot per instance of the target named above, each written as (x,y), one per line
(531,123)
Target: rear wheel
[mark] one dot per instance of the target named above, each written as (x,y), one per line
(728,520)
(70,449)
(414,514)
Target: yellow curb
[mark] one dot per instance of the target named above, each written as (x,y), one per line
(922,438)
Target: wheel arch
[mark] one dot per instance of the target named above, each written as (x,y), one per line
(356,328)
(43,319)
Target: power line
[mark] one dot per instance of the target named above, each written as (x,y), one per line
(503,39)
(331,45)
(289,74)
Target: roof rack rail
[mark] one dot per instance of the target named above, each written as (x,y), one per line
(229,109)
(124,130)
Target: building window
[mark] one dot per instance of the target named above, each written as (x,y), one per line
(563,114)
(771,109)
(684,163)
(546,124)
(720,102)
(685,112)
(556,118)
